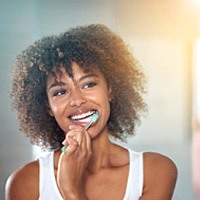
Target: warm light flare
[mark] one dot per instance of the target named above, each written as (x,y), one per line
(196,1)
(196,76)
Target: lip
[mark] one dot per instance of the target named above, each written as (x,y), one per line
(82,115)
(82,118)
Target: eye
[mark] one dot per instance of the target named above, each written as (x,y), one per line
(89,85)
(59,92)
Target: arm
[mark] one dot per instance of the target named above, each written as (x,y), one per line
(23,184)
(160,175)
(72,164)
(195,156)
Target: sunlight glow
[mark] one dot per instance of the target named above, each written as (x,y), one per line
(196,75)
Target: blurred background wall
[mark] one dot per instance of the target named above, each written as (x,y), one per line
(161,34)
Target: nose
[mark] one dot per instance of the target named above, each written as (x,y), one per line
(77,98)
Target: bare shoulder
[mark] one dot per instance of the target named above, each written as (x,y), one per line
(160,174)
(158,161)
(24,182)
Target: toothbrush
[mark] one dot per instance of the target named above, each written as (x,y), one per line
(92,120)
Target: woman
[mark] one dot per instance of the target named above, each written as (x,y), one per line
(59,85)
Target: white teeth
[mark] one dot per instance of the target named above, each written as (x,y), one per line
(81,116)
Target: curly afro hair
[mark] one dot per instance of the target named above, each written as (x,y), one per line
(89,46)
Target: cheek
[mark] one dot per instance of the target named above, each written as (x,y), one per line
(55,107)
(52,106)
(105,103)
(102,98)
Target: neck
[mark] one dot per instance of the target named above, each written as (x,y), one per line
(101,153)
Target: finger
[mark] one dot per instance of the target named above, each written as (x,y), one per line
(80,138)
(72,141)
(88,140)
(69,149)
(71,134)
(73,126)
(69,140)
(77,137)
(78,134)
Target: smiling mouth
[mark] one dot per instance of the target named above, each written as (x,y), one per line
(82,118)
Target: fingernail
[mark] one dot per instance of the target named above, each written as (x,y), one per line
(71,127)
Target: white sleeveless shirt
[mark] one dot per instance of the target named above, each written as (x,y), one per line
(48,187)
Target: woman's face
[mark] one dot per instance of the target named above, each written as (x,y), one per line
(73,100)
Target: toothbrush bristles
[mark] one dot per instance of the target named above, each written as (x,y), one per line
(92,120)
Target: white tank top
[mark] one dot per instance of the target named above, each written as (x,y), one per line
(48,186)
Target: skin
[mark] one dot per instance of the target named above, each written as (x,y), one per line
(195,156)
(93,167)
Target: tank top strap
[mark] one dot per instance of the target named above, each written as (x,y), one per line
(47,183)
(136,176)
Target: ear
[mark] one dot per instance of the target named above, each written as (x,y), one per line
(49,109)
(110,93)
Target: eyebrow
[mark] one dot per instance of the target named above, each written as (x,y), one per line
(88,76)
(60,83)
(57,83)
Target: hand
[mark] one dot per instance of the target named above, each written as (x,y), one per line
(73,163)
